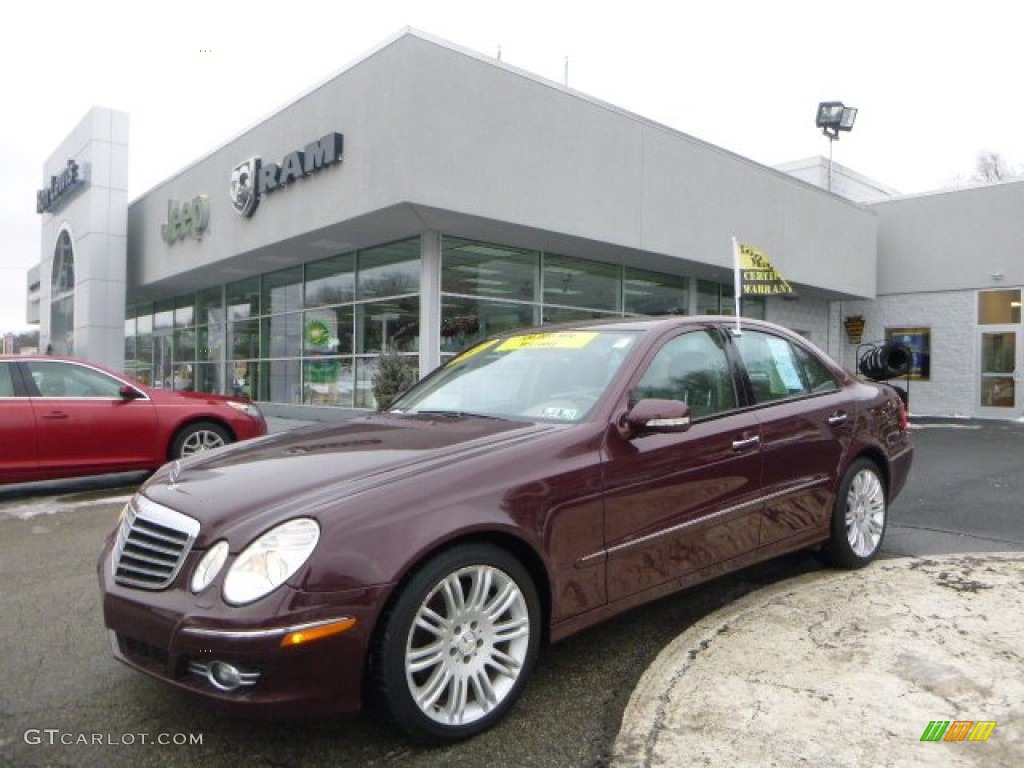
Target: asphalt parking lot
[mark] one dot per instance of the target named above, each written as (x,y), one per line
(66,702)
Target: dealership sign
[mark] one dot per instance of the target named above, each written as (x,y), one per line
(187,219)
(252,178)
(60,187)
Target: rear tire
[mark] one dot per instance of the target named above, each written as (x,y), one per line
(458,644)
(859,517)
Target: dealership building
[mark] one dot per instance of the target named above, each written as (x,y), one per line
(427,196)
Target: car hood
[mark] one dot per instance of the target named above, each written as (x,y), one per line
(183,396)
(248,487)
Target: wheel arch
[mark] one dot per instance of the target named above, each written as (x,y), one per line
(517,547)
(875,455)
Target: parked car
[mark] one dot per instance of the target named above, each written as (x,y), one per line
(536,484)
(61,417)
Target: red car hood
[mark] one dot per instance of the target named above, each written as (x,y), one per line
(250,486)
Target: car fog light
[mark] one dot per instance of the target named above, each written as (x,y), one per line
(225,676)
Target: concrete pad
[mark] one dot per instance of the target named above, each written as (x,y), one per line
(843,668)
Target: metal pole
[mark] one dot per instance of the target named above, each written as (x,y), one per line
(830,141)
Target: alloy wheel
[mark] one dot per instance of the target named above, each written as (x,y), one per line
(467,645)
(865,513)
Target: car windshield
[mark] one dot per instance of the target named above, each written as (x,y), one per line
(553,376)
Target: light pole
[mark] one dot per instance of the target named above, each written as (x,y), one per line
(833,117)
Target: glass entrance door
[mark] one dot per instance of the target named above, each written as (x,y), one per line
(1000,374)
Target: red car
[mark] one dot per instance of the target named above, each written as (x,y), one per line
(66,418)
(536,484)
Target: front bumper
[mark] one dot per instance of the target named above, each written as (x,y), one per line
(177,637)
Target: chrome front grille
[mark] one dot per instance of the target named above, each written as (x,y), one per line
(152,544)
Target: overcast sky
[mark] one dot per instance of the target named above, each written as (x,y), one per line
(935,82)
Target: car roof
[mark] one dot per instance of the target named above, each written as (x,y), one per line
(645,324)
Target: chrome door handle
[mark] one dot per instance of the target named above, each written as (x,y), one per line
(837,418)
(745,443)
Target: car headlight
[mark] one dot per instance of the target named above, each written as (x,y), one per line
(247,408)
(270,561)
(209,566)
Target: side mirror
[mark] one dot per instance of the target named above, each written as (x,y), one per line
(129,392)
(661,416)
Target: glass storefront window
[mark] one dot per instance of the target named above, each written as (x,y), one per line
(397,321)
(243,298)
(282,335)
(282,291)
(163,315)
(328,381)
(144,323)
(720,299)
(365,369)
(185,345)
(581,283)
(210,306)
(209,344)
(144,348)
(244,339)
(328,331)
(207,377)
(654,293)
(554,315)
(999,307)
(389,270)
(244,378)
(331,281)
(129,355)
(481,269)
(465,321)
(280,382)
(184,312)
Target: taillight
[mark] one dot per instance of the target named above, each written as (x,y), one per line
(904,417)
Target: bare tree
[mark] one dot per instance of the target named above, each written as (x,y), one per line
(991,166)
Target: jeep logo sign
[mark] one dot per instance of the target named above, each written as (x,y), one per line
(187,219)
(252,178)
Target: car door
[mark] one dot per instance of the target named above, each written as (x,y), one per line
(84,424)
(17,427)
(679,503)
(806,427)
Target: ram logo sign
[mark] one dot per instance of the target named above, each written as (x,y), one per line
(252,178)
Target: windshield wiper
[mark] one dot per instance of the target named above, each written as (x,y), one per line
(453,414)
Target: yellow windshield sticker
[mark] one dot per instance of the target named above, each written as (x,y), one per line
(474,351)
(561,340)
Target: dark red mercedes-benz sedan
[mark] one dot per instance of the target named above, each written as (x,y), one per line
(538,483)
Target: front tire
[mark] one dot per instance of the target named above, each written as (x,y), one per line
(859,517)
(458,644)
(199,437)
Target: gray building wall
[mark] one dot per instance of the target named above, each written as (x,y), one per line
(438,139)
(952,240)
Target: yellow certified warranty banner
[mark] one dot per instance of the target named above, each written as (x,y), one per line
(757,276)
(561,340)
